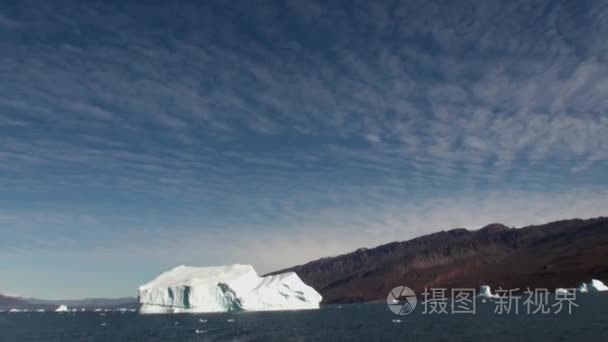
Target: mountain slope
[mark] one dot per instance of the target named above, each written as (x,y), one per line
(558,254)
(9,302)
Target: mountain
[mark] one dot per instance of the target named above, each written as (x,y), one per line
(8,302)
(558,254)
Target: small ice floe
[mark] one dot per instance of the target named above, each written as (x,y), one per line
(97,310)
(39,310)
(593,286)
(486,292)
(13,310)
(132,310)
(230,320)
(200,331)
(103,324)
(62,308)
(176,323)
(202,320)
(560,290)
(396,320)
(83,310)
(122,310)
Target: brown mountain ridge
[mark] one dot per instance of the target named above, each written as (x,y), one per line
(558,254)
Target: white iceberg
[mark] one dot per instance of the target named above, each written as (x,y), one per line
(486,292)
(593,286)
(224,289)
(560,290)
(62,308)
(582,288)
(15,310)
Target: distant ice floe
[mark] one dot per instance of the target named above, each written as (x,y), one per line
(486,292)
(593,286)
(560,290)
(62,308)
(225,289)
(14,310)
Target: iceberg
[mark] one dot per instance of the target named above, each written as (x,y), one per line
(486,292)
(224,289)
(62,308)
(593,286)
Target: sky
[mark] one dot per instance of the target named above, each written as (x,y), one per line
(138,136)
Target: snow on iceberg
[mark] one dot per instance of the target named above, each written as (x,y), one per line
(224,289)
(62,308)
(486,292)
(593,286)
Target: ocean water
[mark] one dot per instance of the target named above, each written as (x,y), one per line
(362,322)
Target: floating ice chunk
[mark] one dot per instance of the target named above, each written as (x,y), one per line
(225,289)
(486,292)
(62,308)
(593,286)
(597,286)
(582,288)
(560,290)
(39,310)
(97,310)
(13,310)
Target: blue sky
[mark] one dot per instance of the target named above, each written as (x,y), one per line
(137,137)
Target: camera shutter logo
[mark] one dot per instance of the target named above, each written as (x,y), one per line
(401,300)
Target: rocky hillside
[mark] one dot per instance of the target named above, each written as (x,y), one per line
(557,254)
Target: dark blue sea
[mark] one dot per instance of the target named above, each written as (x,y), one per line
(355,322)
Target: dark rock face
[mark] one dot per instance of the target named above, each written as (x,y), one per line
(558,254)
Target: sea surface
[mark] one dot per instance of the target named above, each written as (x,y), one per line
(354,322)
